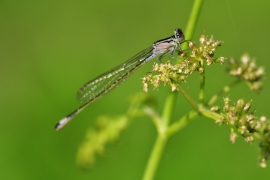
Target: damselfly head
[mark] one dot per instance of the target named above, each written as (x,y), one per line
(178,33)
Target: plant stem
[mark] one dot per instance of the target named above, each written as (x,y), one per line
(180,124)
(155,157)
(223,91)
(162,138)
(202,83)
(193,18)
(211,115)
(190,100)
(169,108)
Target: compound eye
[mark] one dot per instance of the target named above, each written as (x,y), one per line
(178,33)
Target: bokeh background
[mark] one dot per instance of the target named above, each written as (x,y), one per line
(48,49)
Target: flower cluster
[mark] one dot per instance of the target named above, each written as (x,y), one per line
(191,60)
(264,139)
(245,123)
(167,74)
(107,130)
(238,116)
(205,51)
(248,71)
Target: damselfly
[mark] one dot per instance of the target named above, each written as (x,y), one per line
(94,89)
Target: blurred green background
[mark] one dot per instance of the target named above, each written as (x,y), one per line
(48,49)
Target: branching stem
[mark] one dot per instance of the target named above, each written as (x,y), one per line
(162,138)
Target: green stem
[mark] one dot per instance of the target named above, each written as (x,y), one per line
(190,100)
(193,18)
(210,114)
(168,109)
(155,157)
(223,91)
(162,138)
(180,124)
(202,83)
